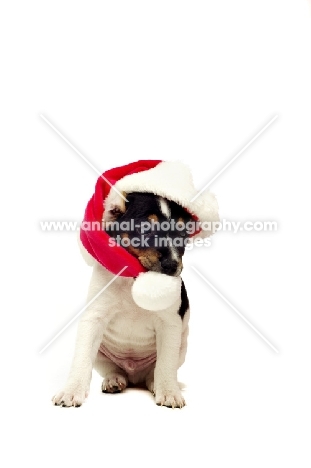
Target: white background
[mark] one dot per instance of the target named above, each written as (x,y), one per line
(193,81)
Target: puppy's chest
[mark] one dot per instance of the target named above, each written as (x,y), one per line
(129,331)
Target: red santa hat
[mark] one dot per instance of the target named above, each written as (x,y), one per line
(169,179)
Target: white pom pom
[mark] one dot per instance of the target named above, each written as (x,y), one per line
(156,291)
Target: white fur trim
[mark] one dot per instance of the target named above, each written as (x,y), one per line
(171,180)
(155,291)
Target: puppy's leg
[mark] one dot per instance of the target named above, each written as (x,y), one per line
(90,332)
(115,379)
(165,386)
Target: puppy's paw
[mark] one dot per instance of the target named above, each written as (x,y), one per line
(170,397)
(70,397)
(114,383)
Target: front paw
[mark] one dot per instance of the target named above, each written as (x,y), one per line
(70,397)
(114,383)
(170,397)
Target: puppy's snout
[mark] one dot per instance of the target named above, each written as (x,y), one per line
(169,267)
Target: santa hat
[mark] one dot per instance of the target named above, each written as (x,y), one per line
(169,179)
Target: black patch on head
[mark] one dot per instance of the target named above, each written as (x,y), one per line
(184,306)
(153,241)
(140,205)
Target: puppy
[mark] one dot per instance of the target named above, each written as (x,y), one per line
(123,342)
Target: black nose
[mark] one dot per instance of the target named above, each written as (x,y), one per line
(169,267)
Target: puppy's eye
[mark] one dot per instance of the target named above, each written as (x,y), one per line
(115,211)
(181,233)
(143,228)
(180,229)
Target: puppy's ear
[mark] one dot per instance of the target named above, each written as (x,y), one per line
(115,206)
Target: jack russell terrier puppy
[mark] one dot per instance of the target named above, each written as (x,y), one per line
(124,342)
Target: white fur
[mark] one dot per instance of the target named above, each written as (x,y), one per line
(165,209)
(126,330)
